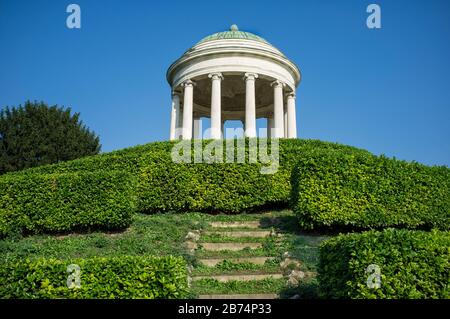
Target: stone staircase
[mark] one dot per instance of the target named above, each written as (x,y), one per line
(235,243)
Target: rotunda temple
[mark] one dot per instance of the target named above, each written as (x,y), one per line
(233,75)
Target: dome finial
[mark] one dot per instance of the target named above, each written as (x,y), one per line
(234,27)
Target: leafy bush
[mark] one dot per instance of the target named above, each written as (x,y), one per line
(36,203)
(413,264)
(116,277)
(227,187)
(167,186)
(360,190)
(386,184)
(230,187)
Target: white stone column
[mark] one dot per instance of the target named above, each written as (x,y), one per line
(188,109)
(291,117)
(180,118)
(250,105)
(197,133)
(180,124)
(285,123)
(278,117)
(216,122)
(175,114)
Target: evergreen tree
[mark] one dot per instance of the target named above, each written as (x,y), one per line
(37,134)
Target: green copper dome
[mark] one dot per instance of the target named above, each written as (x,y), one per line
(233,33)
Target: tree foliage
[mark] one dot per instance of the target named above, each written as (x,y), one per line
(36,134)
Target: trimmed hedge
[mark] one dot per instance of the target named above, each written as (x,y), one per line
(166,186)
(226,187)
(363,191)
(37,203)
(413,264)
(163,185)
(109,278)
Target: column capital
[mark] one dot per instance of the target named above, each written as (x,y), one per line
(176,93)
(278,83)
(215,76)
(188,83)
(291,95)
(250,76)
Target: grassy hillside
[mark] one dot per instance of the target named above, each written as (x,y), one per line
(116,210)
(164,235)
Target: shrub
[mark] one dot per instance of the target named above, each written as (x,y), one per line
(167,186)
(225,187)
(230,187)
(360,190)
(413,264)
(115,277)
(36,203)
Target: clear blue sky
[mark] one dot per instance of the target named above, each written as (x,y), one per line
(385,90)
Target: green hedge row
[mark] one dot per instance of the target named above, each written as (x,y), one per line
(109,278)
(167,186)
(360,190)
(335,185)
(226,187)
(222,187)
(412,264)
(36,203)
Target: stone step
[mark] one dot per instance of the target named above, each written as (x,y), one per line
(226,278)
(230,246)
(243,224)
(240,296)
(240,233)
(211,262)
